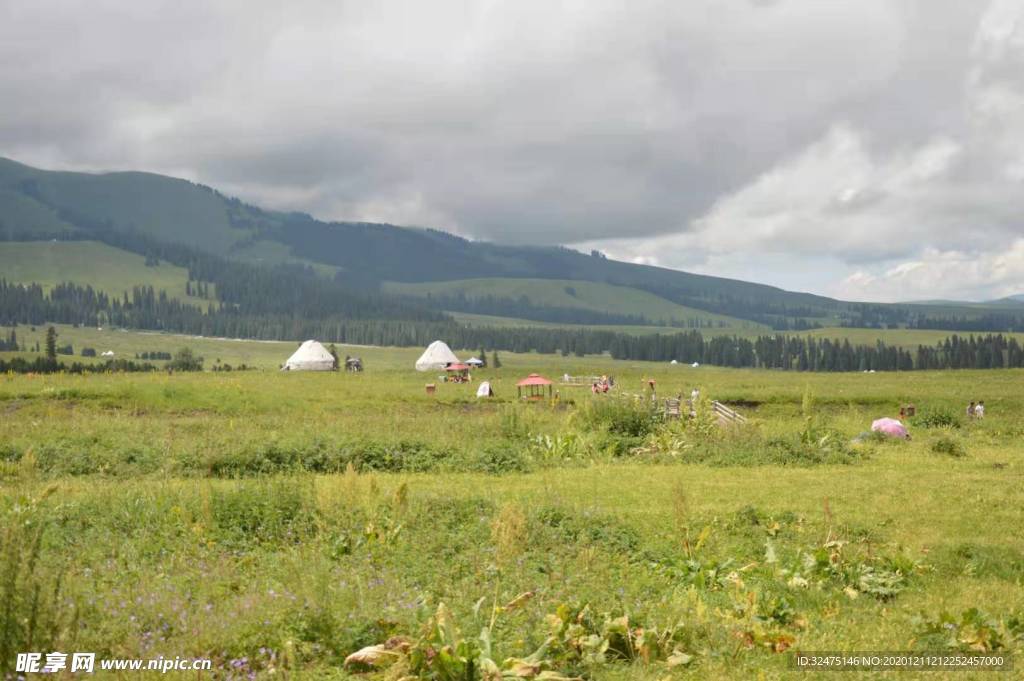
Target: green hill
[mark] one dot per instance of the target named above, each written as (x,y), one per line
(89,263)
(571,294)
(39,205)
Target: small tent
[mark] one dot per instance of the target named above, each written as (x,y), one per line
(485,390)
(475,362)
(311,356)
(437,356)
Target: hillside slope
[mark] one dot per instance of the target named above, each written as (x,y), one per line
(88,263)
(566,294)
(40,204)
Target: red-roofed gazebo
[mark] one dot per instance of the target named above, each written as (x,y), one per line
(534,383)
(458,372)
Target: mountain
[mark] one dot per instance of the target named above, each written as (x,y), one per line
(40,205)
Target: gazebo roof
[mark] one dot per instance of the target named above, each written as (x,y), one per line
(534,379)
(457,367)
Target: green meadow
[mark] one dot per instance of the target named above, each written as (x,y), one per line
(280,522)
(90,263)
(572,294)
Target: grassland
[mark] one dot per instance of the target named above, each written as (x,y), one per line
(582,295)
(512,322)
(89,263)
(909,339)
(278,522)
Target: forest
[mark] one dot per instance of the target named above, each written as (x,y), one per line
(147,309)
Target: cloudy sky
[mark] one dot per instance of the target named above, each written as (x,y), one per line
(869,149)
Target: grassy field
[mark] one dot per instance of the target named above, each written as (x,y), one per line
(126,344)
(272,354)
(904,338)
(277,523)
(512,322)
(89,263)
(583,295)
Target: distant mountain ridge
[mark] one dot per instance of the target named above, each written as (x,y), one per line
(39,204)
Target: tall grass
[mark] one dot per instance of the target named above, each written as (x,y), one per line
(278,524)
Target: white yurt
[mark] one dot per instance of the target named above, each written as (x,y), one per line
(437,356)
(311,356)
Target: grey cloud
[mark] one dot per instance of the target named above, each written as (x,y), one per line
(534,122)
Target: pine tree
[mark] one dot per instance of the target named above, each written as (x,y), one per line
(483,356)
(495,360)
(334,353)
(51,344)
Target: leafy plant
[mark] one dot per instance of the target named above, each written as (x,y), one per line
(441,652)
(882,577)
(630,418)
(562,448)
(578,639)
(937,417)
(971,631)
(948,446)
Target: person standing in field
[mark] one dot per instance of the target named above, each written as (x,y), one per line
(979,410)
(970,410)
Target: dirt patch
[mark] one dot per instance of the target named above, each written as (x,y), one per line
(742,404)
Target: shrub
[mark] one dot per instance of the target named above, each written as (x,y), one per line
(937,418)
(185,360)
(827,446)
(499,457)
(948,446)
(619,417)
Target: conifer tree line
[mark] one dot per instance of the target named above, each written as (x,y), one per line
(46,365)
(250,290)
(147,309)
(9,343)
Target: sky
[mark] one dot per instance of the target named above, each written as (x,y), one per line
(865,149)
